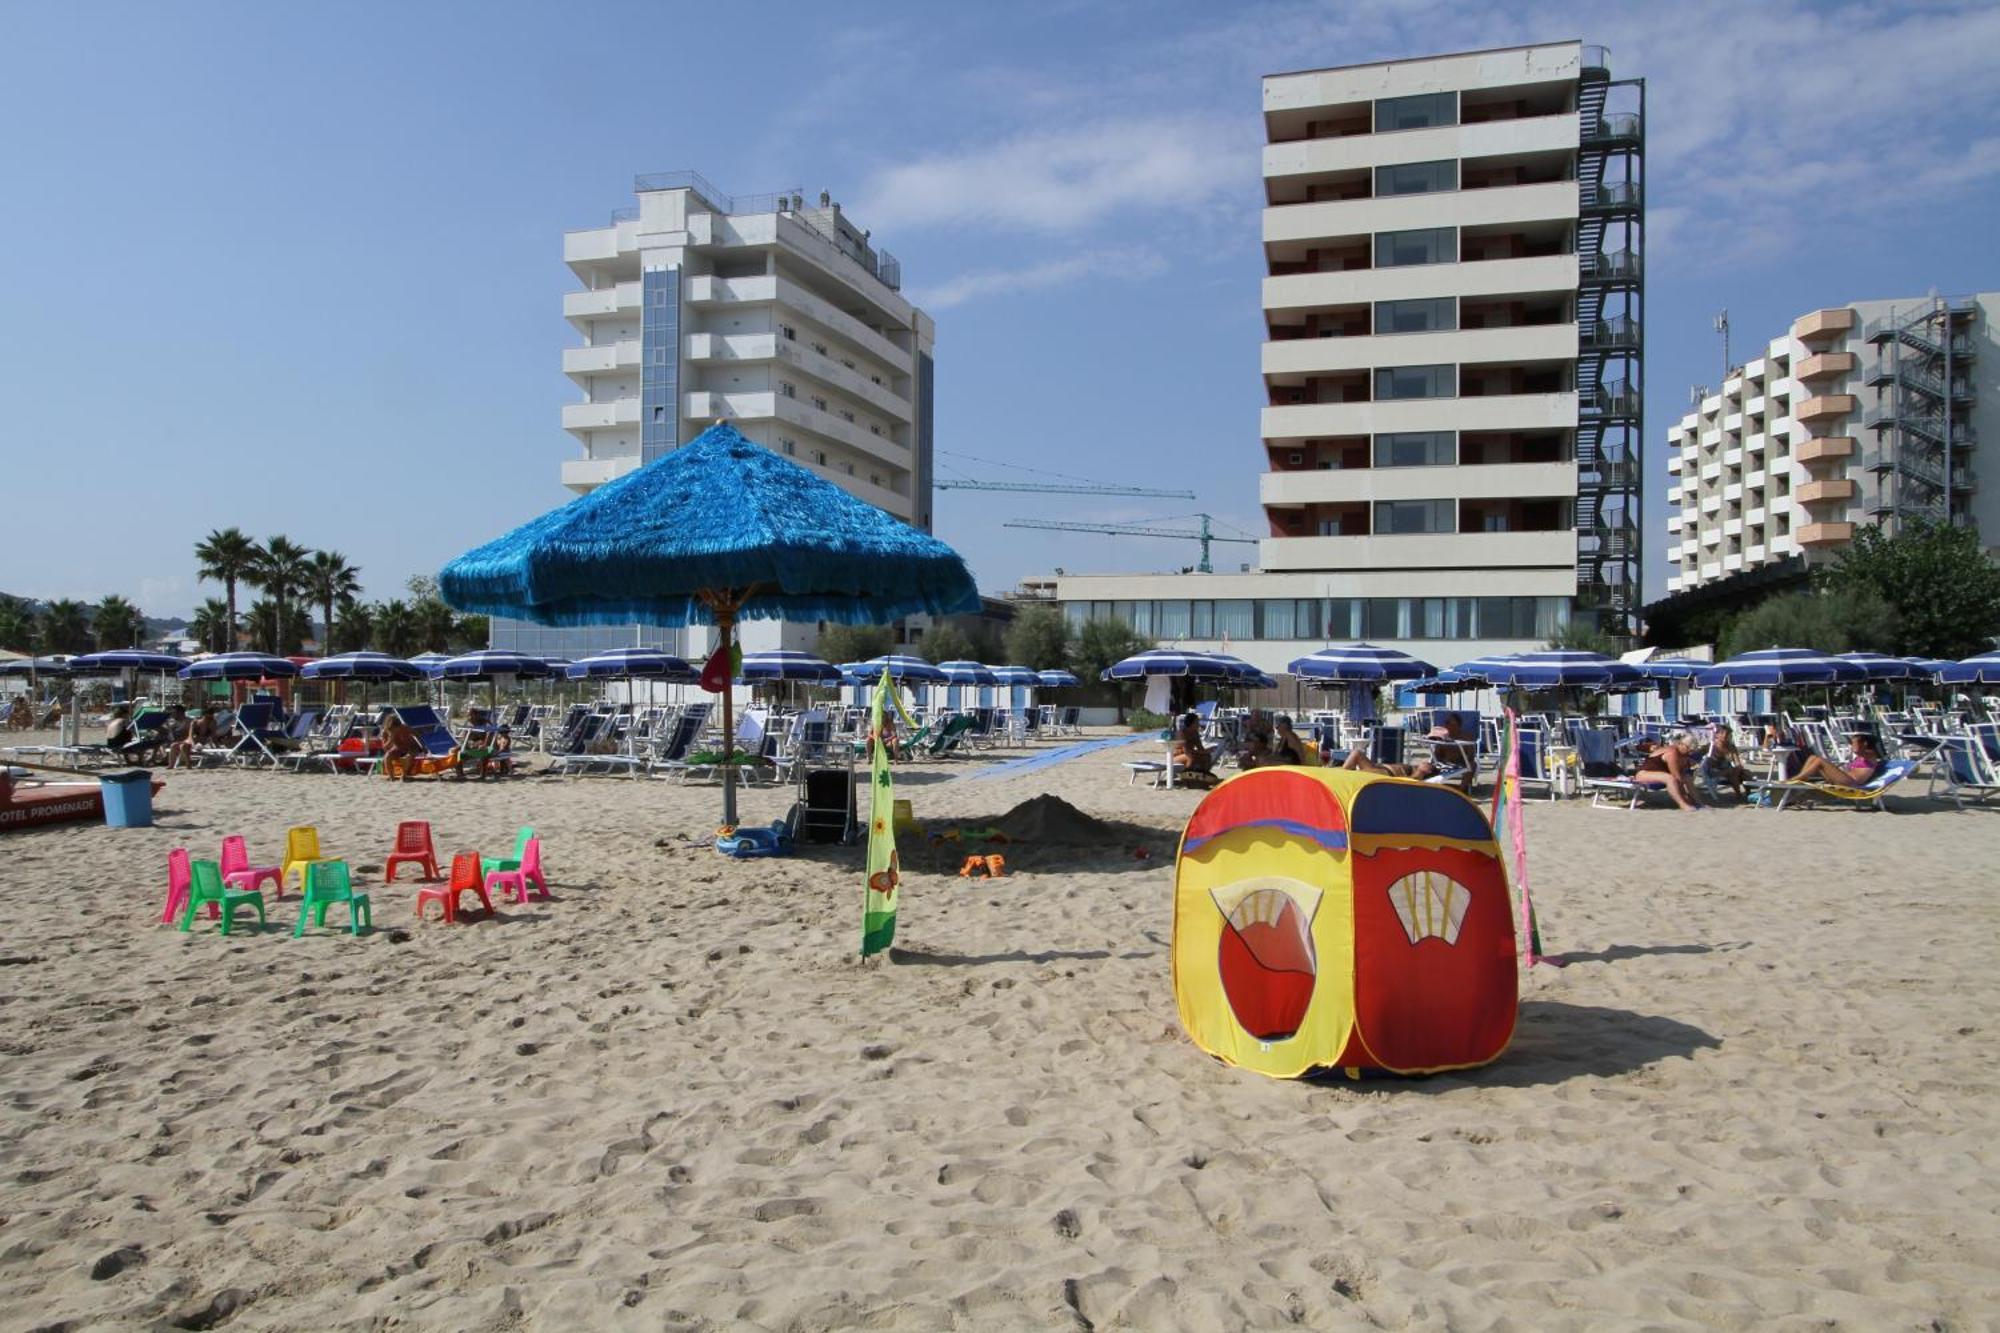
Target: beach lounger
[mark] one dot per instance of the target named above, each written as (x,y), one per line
(1965,772)
(1893,772)
(255,720)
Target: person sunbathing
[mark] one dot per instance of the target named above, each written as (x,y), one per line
(1189,755)
(399,743)
(1450,748)
(1667,767)
(190,735)
(1859,771)
(1288,747)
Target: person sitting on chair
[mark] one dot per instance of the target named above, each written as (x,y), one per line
(1668,767)
(399,743)
(121,737)
(1189,755)
(1721,765)
(1288,747)
(1858,771)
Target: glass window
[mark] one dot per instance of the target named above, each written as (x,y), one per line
(1278,620)
(1430,614)
(1431,315)
(1077,614)
(1425,245)
(1345,618)
(1416,113)
(1385,619)
(1122,611)
(1309,618)
(1204,621)
(1415,382)
(1402,516)
(1422,448)
(1417,177)
(1142,618)
(1458,618)
(1551,616)
(1235,618)
(1170,620)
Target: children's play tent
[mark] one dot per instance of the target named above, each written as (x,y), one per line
(1327,918)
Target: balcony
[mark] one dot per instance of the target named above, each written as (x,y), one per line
(1824,365)
(1620,129)
(1484,551)
(1605,335)
(1497,412)
(1613,197)
(1824,448)
(705,290)
(584,474)
(1825,492)
(1523,342)
(1498,206)
(1823,325)
(1826,407)
(601,416)
(1826,534)
(1489,138)
(845,379)
(578,362)
(582,306)
(1487,481)
(1479,277)
(735,347)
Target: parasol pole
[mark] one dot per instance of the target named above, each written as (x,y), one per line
(725,604)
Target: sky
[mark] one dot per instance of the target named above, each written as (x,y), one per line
(297,268)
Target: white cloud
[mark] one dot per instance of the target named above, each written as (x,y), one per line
(1035,277)
(1069,179)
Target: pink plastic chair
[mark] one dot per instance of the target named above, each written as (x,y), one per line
(238,873)
(530,872)
(180,883)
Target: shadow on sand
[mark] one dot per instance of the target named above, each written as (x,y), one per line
(923,958)
(1619,952)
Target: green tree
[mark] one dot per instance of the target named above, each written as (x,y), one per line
(469,633)
(331,580)
(1857,620)
(1103,642)
(229,557)
(353,627)
(281,572)
(1943,585)
(1039,637)
(946,642)
(434,622)
(210,626)
(395,629)
(274,629)
(18,628)
(854,643)
(65,627)
(116,623)
(1580,636)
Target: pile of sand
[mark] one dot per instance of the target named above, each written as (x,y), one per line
(1052,820)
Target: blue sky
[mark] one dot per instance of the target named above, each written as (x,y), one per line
(298,267)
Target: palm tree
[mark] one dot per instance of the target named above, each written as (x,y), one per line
(210,625)
(354,627)
(64,627)
(117,624)
(435,622)
(281,572)
(331,580)
(228,556)
(395,629)
(17,625)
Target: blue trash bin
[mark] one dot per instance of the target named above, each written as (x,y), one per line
(128,798)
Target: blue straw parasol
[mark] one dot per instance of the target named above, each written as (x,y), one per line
(717,531)
(1361,663)
(240,666)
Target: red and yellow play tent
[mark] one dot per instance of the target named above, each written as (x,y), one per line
(1333,919)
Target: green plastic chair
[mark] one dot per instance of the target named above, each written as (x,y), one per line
(489,864)
(207,887)
(328,882)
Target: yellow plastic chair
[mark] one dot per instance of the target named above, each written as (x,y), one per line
(301,851)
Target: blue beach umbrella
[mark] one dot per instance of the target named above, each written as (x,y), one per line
(362,666)
(240,666)
(1168,662)
(35,666)
(1016,675)
(1673,668)
(118,660)
(1057,680)
(487,664)
(1558,668)
(1361,663)
(1449,681)
(967,673)
(1769,668)
(717,531)
(632,663)
(1881,666)
(1981,670)
(788,666)
(902,668)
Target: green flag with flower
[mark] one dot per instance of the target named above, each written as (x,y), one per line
(878,906)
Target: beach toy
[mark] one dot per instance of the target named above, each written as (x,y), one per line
(528,871)
(974,867)
(996,865)
(905,818)
(301,851)
(179,881)
(413,847)
(464,879)
(238,873)
(489,864)
(776,840)
(206,886)
(1325,918)
(328,882)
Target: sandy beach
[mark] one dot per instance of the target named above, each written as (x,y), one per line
(1760,1094)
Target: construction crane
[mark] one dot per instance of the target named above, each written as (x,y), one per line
(1060,488)
(1202,535)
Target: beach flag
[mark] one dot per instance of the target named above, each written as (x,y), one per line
(878,902)
(1507,793)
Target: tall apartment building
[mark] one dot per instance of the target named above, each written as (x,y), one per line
(777,315)
(1452,361)
(1863,413)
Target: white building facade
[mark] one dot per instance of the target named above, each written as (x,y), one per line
(1870,413)
(1452,365)
(777,315)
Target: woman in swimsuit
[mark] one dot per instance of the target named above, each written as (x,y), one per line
(1858,772)
(1667,768)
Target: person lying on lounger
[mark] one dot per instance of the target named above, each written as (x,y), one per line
(1450,748)
(1858,772)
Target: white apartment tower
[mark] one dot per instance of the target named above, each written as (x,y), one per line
(1862,413)
(775,314)
(1452,364)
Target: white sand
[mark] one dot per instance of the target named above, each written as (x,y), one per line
(1762,1094)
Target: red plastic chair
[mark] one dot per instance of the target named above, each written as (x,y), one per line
(180,883)
(238,873)
(529,872)
(413,847)
(464,879)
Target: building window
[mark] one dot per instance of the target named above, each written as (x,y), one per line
(1406,516)
(876,429)
(1416,113)
(659,356)
(1422,448)
(787,389)
(845,362)
(1425,245)
(1235,618)
(1417,177)
(791,334)
(788,446)
(1170,620)
(874,479)
(1201,620)
(849,468)
(819,457)
(846,415)
(1429,315)
(1415,382)
(820,348)
(1277,619)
